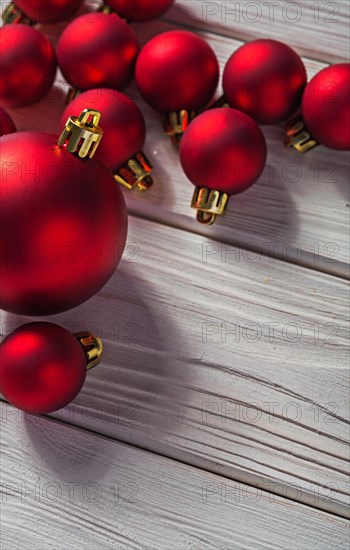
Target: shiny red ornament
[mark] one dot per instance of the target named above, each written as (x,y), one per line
(325,117)
(27,66)
(7,126)
(222,153)
(177,73)
(98,51)
(43,366)
(124,133)
(265,79)
(63,225)
(41,11)
(139,11)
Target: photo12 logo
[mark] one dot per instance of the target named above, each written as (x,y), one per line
(270,12)
(72,492)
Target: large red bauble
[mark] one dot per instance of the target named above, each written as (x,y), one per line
(63,225)
(42,369)
(48,11)
(326,107)
(177,70)
(266,80)
(223,149)
(98,51)
(124,128)
(140,10)
(7,126)
(27,66)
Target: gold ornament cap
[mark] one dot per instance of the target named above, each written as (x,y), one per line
(104,8)
(136,173)
(72,94)
(82,135)
(92,348)
(13,15)
(209,204)
(299,137)
(221,103)
(176,123)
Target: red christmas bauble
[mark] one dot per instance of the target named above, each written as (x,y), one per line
(7,126)
(266,80)
(48,11)
(63,225)
(27,66)
(124,128)
(140,10)
(326,107)
(42,368)
(98,51)
(224,150)
(177,70)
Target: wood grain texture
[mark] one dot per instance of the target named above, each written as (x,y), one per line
(298,211)
(319,30)
(216,353)
(233,363)
(66,488)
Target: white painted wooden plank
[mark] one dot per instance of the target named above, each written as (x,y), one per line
(66,488)
(298,211)
(232,363)
(320,30)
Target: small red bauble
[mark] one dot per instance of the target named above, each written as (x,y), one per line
(63,225)
(325,117)
(41,11)
(7,126)
(177,74)
(222,153)
(124,133)
(266,80)
(98,51)
(27,66)
(43,366)
(139,10)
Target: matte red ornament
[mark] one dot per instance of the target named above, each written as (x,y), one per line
(222,153)
(7,126)
(265,79)
(177,74)
(139,11)
(41,11)
(124,133)
(98,51)
(43,366)
(63,223)
(325,117)
(27,66)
